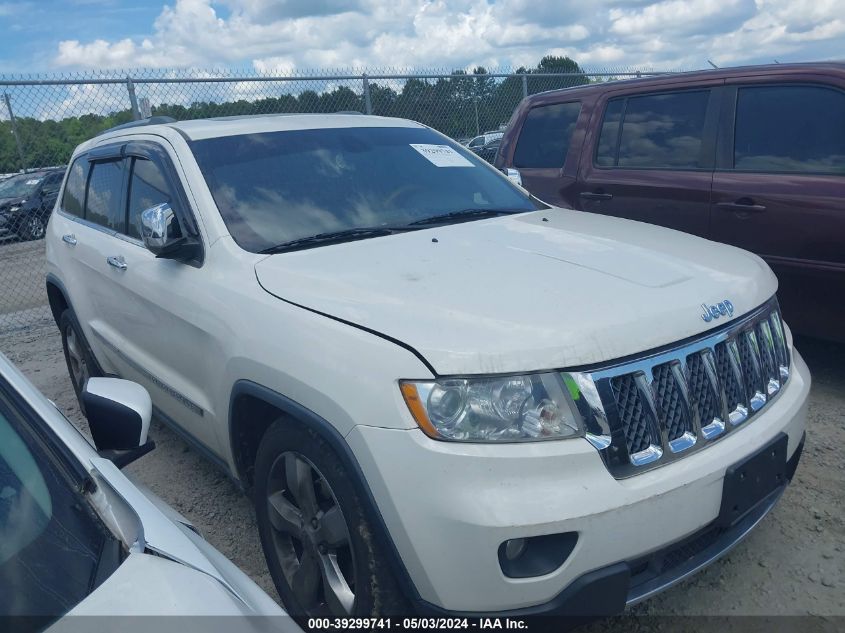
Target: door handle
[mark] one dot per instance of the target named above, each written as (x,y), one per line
(69,239)
(595,195)
(118,262)
(747,207)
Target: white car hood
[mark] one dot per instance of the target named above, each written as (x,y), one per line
(542,290)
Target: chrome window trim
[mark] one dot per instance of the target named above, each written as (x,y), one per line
(99,227)
(596,403)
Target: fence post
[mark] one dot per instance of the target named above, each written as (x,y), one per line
(524,86)
(133,101)
(368,104)
(14,124)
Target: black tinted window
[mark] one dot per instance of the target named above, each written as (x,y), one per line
(147,188)
(606,154)
(546,132)
(51,183)
(52,544)
(74,195)
(658,131)
(663,130)
(104,203)
(275,187)
(790,128)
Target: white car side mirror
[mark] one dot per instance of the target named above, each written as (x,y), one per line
(119,413)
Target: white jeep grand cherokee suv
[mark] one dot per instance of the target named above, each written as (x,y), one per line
(442,394)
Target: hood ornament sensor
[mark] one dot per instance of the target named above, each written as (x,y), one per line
(722,309)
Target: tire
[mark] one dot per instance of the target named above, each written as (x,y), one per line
(338,542)
(32,228)
(80,361)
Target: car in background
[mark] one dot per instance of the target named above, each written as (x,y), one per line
(753,157)
(482,140)
(26,202)
(77,537)
(489,152)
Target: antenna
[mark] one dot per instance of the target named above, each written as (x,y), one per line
(712,64)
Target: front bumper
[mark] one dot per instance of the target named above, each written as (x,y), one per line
(8,225)
(448,507)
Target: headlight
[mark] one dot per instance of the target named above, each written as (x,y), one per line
(498,409)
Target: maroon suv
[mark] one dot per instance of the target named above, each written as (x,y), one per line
(753,157)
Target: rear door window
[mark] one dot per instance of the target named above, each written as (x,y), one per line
(545,136)
(662,131)
(104,203)
(73,200)
(609,137)
(790,129)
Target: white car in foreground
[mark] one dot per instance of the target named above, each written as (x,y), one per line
(77,538)
(442,394)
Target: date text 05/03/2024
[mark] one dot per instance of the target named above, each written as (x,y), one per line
(416,623)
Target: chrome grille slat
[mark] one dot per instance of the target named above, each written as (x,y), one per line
(673,403)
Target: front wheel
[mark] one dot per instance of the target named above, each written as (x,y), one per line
(317,540)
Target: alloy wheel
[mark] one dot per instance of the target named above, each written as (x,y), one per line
(78,366)
(35,228)
(311,537)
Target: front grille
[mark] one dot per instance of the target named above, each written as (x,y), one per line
(648,412)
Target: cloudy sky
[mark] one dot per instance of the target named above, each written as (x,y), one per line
(282,35)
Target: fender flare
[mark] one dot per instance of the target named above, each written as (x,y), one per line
(313,421)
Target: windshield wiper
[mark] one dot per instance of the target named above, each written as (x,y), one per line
(465,214)
(334,237)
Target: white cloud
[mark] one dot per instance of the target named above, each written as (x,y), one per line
(283,36)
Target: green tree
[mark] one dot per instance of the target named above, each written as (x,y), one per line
(458,105)
(556,65)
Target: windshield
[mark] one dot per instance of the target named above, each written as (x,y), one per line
(276,187)
(53,549)
(19,186)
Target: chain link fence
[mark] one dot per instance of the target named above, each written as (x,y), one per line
(42,119)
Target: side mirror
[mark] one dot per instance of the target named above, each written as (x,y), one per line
(160,230)
(119,413)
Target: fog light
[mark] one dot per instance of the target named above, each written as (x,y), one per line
(514,548)
(535,555)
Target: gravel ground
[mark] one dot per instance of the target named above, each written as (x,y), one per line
(792,564)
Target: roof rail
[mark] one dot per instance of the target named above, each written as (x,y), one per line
(153,120)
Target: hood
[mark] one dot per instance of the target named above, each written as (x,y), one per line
(542,290)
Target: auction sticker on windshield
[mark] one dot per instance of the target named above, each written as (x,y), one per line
(441,155)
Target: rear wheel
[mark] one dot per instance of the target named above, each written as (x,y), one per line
(80,361)
(316,538)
